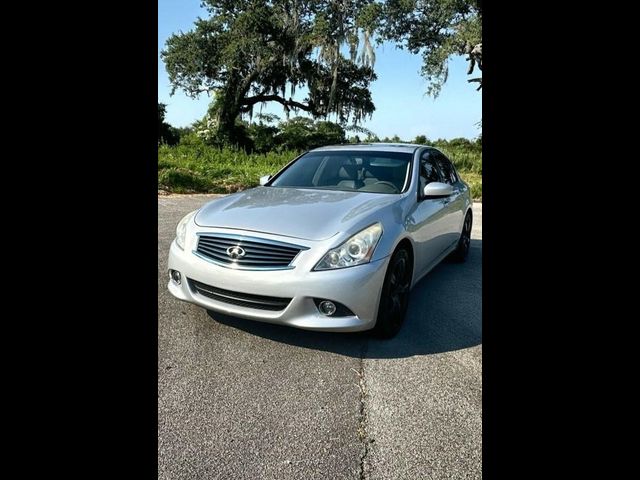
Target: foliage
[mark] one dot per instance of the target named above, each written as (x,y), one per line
(465,159)
(201,168)
(166,133)
(420,140)
(458,142)
(263,137)
(474,180)
(298,133)
(302,133)
(182,131)
(250,52)
(190,138)
(438,29)
(196,167)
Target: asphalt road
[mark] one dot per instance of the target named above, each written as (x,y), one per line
(244,400)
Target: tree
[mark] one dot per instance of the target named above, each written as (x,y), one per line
(302,133)
(460,142)
(263,137)
(327,133)
(371,138)
(420,139)
(438,29)
(251,52)
(166,133)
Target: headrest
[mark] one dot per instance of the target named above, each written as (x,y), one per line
(348,171)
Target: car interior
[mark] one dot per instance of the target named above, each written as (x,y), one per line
(428,174)
(365,174)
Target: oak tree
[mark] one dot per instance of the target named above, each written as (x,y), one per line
(436,29)
(250,52)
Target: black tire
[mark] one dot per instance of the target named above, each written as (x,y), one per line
(394,298)
(461,252)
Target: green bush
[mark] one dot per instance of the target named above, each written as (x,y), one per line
(301,133)
(201,168)
(464,158)
(196,167)
(474,180)
(182,180)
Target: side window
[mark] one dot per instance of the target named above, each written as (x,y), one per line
(448,172)
(429,170)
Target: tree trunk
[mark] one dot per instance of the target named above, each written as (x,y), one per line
(229,108)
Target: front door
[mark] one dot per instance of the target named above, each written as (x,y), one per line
(430,218)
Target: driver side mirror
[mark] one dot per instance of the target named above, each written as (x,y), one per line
(437,190)
(264,179)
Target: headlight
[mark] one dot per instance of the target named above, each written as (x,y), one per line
(355,251)
(181,229)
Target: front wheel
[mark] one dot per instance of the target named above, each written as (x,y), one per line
(394,298)
(462,250)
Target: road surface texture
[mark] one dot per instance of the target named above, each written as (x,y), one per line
(245,400)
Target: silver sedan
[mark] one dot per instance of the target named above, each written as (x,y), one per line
(334,241)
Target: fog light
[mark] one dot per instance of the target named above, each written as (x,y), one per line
(327,307)
(175,276)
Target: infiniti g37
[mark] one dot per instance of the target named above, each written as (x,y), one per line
(334,241)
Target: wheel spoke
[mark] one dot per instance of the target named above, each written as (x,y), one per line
(400,270)
(395,305)
(396,292)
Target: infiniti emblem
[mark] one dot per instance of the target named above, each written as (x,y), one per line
(236,252)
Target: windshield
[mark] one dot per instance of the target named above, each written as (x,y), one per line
(376,172)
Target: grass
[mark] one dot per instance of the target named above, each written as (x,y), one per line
(465,159)
(203,169)
(468,163)
(474,180)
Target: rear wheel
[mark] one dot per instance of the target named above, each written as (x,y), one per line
(394,298)
(462,250)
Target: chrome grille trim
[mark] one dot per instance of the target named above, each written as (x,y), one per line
(261,253)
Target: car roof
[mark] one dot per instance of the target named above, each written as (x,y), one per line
(374,147)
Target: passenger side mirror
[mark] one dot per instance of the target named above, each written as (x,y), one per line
(437,190)
(264,179)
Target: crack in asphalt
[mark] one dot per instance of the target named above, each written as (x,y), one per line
(362,415)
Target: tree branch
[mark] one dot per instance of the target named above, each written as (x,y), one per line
(247,81)
(248,102)
(478,79)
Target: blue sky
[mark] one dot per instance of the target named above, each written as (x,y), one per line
(402,107)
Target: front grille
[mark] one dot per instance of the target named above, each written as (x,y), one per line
(260,302)
(258,253)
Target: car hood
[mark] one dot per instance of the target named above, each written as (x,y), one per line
(292,212)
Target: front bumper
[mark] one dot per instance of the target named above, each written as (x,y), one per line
(358,288)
